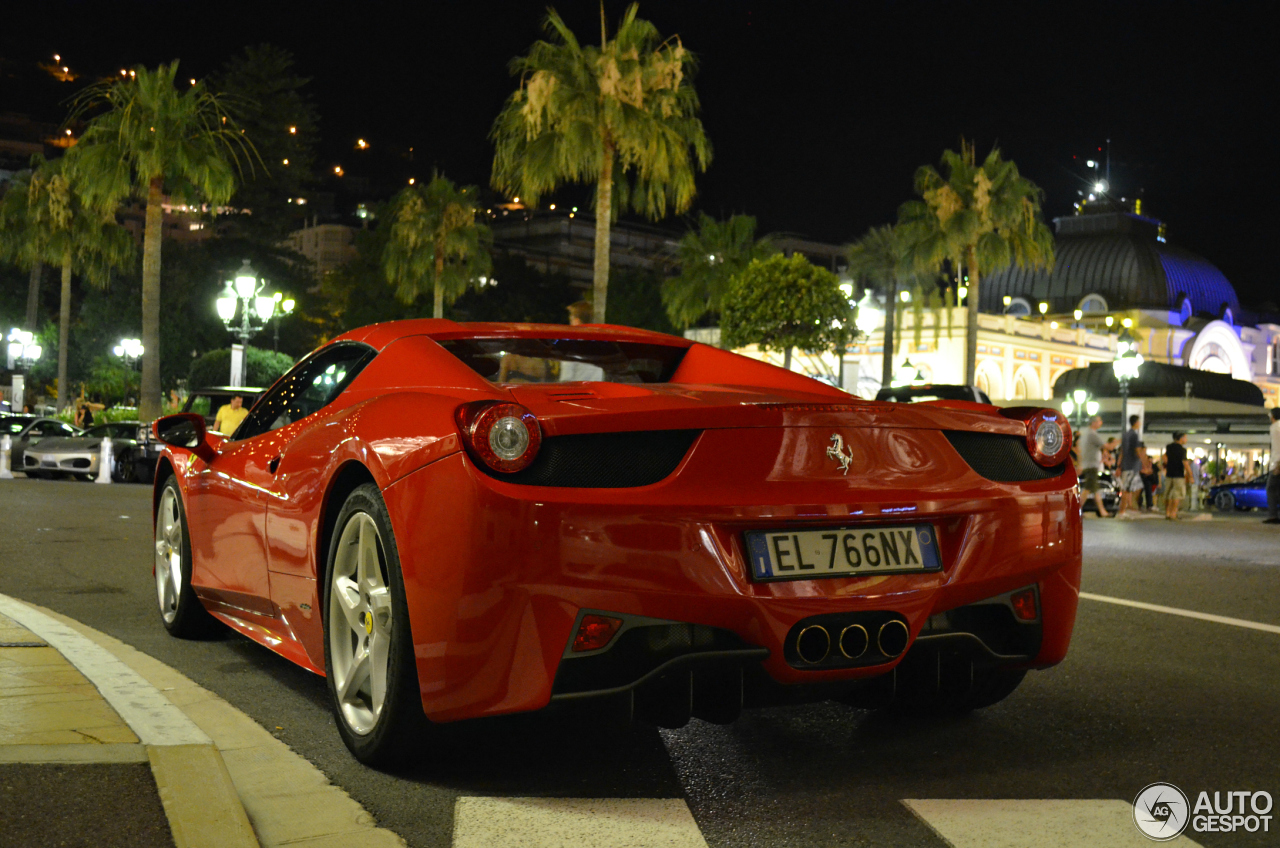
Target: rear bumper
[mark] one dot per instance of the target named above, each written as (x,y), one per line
(497,575)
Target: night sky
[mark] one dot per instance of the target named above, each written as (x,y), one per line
(819,113)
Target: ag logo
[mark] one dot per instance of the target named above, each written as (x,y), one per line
(1161,812)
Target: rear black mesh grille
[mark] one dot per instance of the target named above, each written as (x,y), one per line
(1001,458)
(604,460)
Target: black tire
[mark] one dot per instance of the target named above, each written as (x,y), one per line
(1225,502)
(376,734)
(180,610)
(126,472)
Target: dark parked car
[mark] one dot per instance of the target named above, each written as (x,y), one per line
(26,429)
(932,391)
(1229,497)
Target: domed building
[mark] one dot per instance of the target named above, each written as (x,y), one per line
(1114,261)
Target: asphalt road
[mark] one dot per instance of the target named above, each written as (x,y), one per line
(1144,696)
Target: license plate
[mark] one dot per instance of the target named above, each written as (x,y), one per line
(842,552)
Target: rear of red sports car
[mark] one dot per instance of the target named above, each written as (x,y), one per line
(730,535)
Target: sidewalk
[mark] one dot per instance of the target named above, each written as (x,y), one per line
(101,745)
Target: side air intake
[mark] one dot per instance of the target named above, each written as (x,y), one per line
(1003,459)
(604,460)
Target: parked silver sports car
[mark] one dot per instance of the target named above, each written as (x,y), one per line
(79,455)
(26,430)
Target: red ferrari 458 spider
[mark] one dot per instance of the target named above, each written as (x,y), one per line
(459,520)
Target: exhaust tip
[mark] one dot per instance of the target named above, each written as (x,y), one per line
(893,638)
(813,644)
(854,641)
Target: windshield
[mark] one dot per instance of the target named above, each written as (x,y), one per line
(114,431)
(518,360)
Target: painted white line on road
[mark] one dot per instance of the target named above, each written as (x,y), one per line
(1203,616)
(1040,823)
(557,822)
(149,714)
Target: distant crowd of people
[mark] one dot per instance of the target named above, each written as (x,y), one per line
(1142,480)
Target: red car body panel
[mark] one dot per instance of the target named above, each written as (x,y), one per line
(495,573)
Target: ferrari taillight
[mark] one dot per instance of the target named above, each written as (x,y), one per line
(1048,434)
(504,436)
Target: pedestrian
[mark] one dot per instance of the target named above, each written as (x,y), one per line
(1150,480)
(1130,468)
(1091,445)
(1177,475)
(1273,482)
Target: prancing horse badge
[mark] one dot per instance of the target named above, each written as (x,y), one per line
(837,451)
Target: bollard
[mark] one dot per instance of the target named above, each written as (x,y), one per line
(104,462)
(6,447)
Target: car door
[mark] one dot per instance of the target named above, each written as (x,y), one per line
(295,492)
(226,512)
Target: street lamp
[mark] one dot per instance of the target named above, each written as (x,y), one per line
(284,306)
(1126,365)
(908,374)
(1082,406)
(130,350)
(255,310)
(24,352)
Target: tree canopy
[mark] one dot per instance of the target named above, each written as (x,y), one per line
(780,303)
(977,219)
(710,255)
(624,112)
(436,242)
(144,138)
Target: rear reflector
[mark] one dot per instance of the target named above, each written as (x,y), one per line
(1024,604)
(595,631)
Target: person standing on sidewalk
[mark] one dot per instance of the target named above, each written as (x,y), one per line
(1130,468)
(1273,482)
(1177,475)
(1091,463)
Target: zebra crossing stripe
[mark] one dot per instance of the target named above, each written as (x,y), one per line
(1040,823)
(561,822)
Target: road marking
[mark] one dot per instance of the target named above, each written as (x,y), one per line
(1203,616)
(1040,823)
(149,714)
(556,822)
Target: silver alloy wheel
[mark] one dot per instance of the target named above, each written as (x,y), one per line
(169,555)
(359,624)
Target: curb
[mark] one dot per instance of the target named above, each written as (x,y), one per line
(224,781)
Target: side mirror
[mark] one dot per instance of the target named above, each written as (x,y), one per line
(184,430)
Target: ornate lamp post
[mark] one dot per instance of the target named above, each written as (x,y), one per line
(24,352)
(243,295)
(284,306)
(1081,406)
(1126,365)
(130,350)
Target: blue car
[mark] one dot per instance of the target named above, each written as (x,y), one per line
(1243,496)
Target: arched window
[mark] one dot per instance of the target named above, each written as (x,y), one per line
(1026,384)
(1093,303)
(1018,306)
(988,379)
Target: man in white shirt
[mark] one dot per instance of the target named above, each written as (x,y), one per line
(1273,482)
(1090,453)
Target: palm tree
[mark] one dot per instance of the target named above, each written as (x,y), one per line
(436,243)
(979,218)
(709,256)
(47,220)
(877,258)
(622,112)
(150,139)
